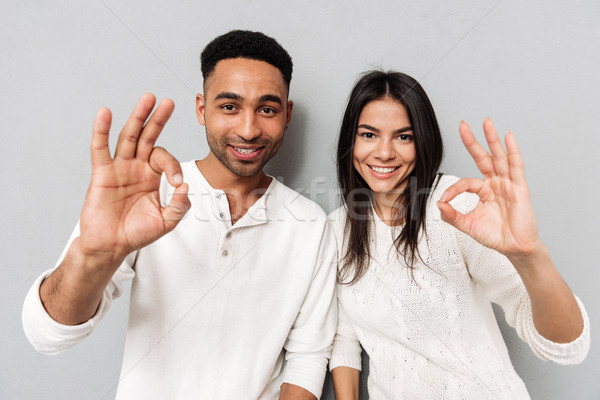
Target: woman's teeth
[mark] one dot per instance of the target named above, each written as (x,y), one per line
(380,170)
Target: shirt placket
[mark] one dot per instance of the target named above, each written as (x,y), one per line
(226,249)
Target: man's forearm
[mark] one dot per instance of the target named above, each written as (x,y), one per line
(72,293)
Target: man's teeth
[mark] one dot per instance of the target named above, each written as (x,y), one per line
(244,151)
(383,170)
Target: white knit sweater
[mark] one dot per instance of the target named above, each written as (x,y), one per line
(436,337)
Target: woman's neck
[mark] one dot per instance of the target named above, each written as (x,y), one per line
(384,207)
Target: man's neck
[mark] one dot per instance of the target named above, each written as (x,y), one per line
(241,191)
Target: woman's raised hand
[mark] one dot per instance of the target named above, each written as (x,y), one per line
(503,219)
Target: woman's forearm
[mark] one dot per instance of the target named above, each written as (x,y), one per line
(346,382)
(556,314)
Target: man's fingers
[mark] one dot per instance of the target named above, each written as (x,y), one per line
(479,154)
(177,207)
(499,157)
(99,146)
(162,161)
(153,128)
(128,139)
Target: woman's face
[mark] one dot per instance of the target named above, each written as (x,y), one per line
(384,150)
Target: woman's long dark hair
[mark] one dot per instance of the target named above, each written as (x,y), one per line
(410,206)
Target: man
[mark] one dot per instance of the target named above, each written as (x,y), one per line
(233,279)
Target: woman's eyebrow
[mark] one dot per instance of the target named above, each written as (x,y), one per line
(369,127)
(405,129)
(372,128)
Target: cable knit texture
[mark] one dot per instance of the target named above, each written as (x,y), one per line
(435,336)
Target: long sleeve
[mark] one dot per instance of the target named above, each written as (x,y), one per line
(494,274)
(346,350)
(48,336)
(502,285)
(308,345)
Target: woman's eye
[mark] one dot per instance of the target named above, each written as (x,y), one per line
(406,138)
(367,135)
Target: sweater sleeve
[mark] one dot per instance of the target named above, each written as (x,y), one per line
(502,285)
(48,336)
(346,350)
(308,345)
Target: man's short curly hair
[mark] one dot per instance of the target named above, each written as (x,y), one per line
(246,44)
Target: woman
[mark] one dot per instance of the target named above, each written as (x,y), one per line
(422,256)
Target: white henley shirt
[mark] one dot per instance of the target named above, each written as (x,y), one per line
(219,311)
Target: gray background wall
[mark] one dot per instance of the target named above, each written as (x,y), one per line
(532,66)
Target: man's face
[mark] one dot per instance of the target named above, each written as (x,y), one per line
(245,111)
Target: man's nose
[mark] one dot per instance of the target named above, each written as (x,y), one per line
(248,127)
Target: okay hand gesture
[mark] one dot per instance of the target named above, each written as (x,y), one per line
(504,219)
(122,211)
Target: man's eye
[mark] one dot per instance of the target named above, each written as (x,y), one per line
(228,107)
(267,110)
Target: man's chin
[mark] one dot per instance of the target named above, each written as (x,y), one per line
(245,170)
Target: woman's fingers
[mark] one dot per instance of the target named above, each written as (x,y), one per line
(471,185)
(453,217)
(128,139)
(460,221)
(515,162)
(153,128)
(480,155)
(499,156)
(99,147)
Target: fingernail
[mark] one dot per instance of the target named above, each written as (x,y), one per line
(177,179)
(444,197)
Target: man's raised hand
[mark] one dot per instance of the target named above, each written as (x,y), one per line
(122,211)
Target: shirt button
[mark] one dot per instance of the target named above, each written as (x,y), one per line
(228,235)
(218,196)
(225,253)
(222,215)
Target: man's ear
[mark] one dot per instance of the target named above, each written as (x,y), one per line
(290,105)
(200,106)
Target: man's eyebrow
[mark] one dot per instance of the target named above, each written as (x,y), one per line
(262,99)
(372,128)
(229,95)
(270,97)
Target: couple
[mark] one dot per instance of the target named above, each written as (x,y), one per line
(234,276)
